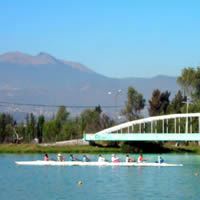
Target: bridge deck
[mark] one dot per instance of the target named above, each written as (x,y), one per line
(143,137)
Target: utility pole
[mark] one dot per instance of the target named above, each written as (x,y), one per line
(188,101)
(116,95)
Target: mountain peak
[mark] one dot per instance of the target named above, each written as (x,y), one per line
(42,58)
(15,57)
(18,57)
(44,54)
(46,58)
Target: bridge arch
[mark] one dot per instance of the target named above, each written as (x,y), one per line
(147,129)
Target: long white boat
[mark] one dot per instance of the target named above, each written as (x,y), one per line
(80,163)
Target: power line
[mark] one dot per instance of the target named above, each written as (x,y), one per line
(53,106)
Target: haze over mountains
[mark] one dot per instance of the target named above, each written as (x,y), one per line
(44,79)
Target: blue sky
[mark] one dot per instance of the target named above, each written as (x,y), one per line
(115,38)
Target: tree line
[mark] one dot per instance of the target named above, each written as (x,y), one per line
(64,127)
(61,127)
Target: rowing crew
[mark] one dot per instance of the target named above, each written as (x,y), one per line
(60,158)
(140,159)
(114,158)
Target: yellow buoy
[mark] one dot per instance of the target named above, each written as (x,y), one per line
(196,174)
(79,182)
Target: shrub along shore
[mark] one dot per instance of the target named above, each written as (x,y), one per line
(35,148)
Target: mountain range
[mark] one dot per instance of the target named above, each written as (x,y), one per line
(44,79)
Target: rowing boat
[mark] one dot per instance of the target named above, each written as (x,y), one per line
(80,163)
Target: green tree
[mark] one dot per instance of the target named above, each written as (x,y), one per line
(177,103)
(91,120)
(164,99)
(51,131)
(186,80)
(196,84)
(189,80)
(61,118)
(6,121)
(154,103)
(98,109)
(31,126)
(106,121)
(134,104)
(40,126)
(62,115)
(70,130)
(159,103)
(20,129)
(82,124)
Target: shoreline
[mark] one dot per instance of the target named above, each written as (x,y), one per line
(36,148)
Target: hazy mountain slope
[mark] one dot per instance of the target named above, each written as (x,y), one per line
(45,79)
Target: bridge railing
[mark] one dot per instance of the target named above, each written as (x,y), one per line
(174,127)
(174,123)
(143,137)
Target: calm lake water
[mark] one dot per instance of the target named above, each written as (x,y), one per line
(113,183)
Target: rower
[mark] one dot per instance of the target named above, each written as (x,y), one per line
(60,157)
(85,158)
(160,159)
(128,159)
(140,158)
(114,158)
(72,158)
(101,158)
(46,157)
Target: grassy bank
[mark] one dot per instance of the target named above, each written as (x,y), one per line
(183,148)
(33,148)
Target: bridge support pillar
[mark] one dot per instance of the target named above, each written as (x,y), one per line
(190,124)
(167,126)
(199,124)
(186,124)
(163,126)
(155,126)
(175,125)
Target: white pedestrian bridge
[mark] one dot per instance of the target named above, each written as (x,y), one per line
(173,127)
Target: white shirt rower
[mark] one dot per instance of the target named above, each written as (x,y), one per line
(114,158)
(101,159)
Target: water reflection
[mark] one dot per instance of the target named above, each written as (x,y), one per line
(113,183)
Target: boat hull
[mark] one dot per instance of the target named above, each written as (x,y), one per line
(80,163)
